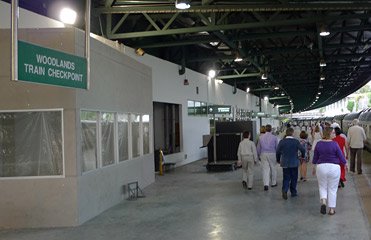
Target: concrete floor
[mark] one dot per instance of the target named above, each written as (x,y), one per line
(190,203)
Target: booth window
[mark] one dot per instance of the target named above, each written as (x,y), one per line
(123,136)
(145,123)
(191,107)
(197,108)
(135,135)
(89,126)
(107,123)
(31,143)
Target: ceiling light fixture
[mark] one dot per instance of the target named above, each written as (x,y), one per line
(264,76)
(276,87)
(266,98)
(247,89)
(182,4)
(322,63)
(139,52)
(68,16)
(282,94)
(212,73)
(219,81)
(322,77)
(323,31)
(238,58)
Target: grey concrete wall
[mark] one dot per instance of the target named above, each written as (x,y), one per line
(43,202)
(103,188)
(118,83)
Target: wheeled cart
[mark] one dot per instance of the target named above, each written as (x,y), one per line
(222,146)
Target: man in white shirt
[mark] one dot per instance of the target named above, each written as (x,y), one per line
(247,157)
(356,139)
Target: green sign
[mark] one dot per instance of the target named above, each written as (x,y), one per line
(43,65)
(216,109)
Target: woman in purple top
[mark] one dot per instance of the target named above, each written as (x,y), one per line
(327,157)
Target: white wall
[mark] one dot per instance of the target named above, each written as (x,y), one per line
(168,87)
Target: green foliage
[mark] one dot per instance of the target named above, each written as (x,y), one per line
(365,89)
(350,106)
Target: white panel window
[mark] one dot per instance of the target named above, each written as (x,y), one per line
(31,143)
(191,107)
(89,136)
(135,134)
(123,136)
(197,108)
(145,122)
(108,139)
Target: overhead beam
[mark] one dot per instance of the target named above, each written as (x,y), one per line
(206,2)
(208,39)
(212,28)
(108,3)
(236,8)
(212,58)
(242,80)
(276,98)
(261,89)
(239,76)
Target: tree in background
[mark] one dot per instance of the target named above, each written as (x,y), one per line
(350,106)
(365,89)
(357,102)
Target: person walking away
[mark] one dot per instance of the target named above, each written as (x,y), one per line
(316,136)
(342,143)
(304,160)
(262,132)
(356,140)
(297,132)
(327,159)
(287,156)
(266,148)
(247,157)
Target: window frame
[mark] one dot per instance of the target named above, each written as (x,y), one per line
(117,137)
(63,175)
(115,140)
(97,140)
(131,116)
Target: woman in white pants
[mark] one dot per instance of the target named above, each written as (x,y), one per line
(247,156)
(327,157)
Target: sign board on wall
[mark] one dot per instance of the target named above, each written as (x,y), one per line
(218,109)
(43,65)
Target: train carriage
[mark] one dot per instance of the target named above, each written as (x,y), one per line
(365,122)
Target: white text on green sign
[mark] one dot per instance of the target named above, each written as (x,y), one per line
(43,65)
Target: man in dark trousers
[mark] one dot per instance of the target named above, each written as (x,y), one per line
(287,156)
